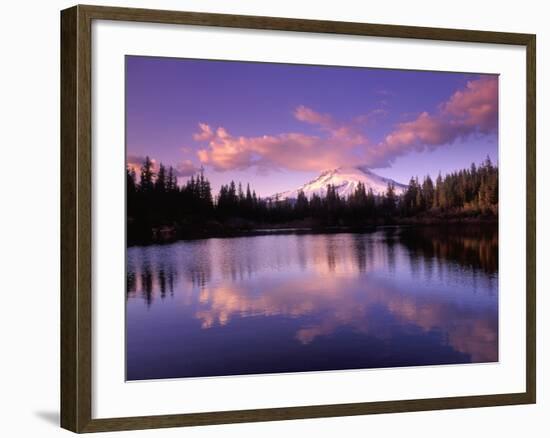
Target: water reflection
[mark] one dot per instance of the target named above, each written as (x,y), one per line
(474,246)
(395,297)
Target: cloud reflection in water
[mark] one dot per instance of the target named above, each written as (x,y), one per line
(384,288)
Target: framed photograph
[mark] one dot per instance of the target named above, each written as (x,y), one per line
(269,218)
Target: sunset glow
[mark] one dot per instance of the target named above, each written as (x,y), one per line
(277,126)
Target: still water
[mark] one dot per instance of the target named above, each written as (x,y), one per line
(309,302)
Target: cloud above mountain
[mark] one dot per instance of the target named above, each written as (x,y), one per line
(337,142)
(470,111)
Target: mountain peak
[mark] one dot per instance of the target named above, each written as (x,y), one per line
(345,179)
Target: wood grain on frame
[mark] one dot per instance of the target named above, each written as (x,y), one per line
(76,235)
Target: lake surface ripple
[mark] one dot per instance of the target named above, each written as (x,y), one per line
(309,302)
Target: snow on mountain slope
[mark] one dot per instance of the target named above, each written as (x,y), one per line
(345,180)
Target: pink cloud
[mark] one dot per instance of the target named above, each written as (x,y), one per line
(186,168)
(477,105)
(470,111)
(347,132)
(204,134)
(290,150)
(305,114)
(339,145)
(182,169)
(134,162)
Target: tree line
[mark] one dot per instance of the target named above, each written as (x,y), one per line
(158,208)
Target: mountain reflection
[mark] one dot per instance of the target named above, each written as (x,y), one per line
(437,287)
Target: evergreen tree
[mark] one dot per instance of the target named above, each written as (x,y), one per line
(172,183)
(131,191)
(389,202)
(130,180)
(160,182)
(410,197)
(438,195)
(428,192)
(371,203)
(146,176)
(302,205)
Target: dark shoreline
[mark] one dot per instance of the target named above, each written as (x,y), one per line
(172,234)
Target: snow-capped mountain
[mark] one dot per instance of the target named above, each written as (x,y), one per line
(345,180)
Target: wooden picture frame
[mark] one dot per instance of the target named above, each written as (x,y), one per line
(76,217)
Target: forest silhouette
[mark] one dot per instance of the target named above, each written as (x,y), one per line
(159,209)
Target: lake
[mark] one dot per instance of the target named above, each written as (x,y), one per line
(396,296)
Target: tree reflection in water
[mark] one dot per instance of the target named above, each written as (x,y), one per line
(394,297)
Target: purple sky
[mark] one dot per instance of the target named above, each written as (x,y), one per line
(278,126)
